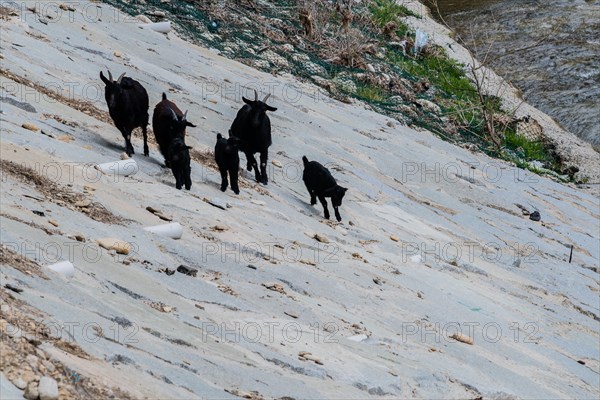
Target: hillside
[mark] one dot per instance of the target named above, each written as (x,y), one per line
(284,304)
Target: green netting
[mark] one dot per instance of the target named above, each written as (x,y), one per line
(361,62)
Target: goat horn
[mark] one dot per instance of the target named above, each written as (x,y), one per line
(110,78)
(120,77)
(255,95)
(184,115)
(266,97)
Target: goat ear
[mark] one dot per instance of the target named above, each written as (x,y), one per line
(245,100)
(188,123)
(269,108)
(189,147)
(106,81)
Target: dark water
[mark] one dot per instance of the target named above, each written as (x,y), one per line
(550,50)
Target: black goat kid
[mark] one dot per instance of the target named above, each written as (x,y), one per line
(179,155)
(321,184)
(228,160)
(127,102)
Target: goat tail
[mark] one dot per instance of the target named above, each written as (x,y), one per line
(164,96)
(304,160)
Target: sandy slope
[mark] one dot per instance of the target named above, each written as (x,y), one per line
(465,256)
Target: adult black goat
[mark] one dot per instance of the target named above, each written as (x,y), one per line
(253,127)
(320,183)
(127,102)
(168,122)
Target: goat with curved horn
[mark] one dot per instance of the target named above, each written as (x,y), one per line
(110,76)
(255,95)
(266,97)
(119,78)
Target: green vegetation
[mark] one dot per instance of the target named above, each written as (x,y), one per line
(363,50)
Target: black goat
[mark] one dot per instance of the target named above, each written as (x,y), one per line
(168,122)
(253,127)
(321,184)
(228,160)
(179,155)
(127,102)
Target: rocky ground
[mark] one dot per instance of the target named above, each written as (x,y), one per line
(436,283)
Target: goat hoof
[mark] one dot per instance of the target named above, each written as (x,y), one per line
(223,188)
(188,187)
(236,191)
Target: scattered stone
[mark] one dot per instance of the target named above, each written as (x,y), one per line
(118,54)
(378,281)
(199,306)
(320,238)
(65,138)
(579,361)
(124,156)
(251,266)
(462,338)
(216,203)
(83,203)
(53,222)
(20,383)
(391,124)
(30,126)
(13,288)
(162,307)
(274,286)
(291,314)
(306,356)
(158,14)
(31,392)
(48,389)
(159,214)
(117,245)
(167,271)
(277,163)
(219,228)
(187,270)
(79,237)
(65,7)
(40,213)
(4,309)
(258,202)
(535,216)
(394,238)
(143,18)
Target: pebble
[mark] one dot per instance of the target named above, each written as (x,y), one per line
(144,19)
(124,155)
(49,366)
(258,202)
(53,222)
(30,126)
(394,238)
(277,163)
(535,216)
(31,392)
(20,383)
(48,389)
(4,309)
(117,245)
(32,361)
(320,238)
(187,270)
(118,54)
(462,338)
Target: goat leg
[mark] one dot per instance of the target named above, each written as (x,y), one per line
(224,182)
(337,214)
(233,174)
(128,146)
(263,167)
(145,132)
(188,179)
(324,203)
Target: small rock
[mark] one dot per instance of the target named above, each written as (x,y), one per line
(320,238)
(52,222)
(117,245)
(118,54)
(277,163)
(579,361)
(216,203)
(159,214)
(391,124)
(251,266)
(49,366)
(40,213)
(4,309)
(158,14)
(124,155)
(48,389)
(462,338)
(31,392)
(30,126)
(394,238)
(13,288)
(377,281)
(80,237)
(371,68)
(20,383)
(32,361)
(187,270)
(83,203)
(291,314)
(144,19)
(258,202)
(219,228)
(535,216)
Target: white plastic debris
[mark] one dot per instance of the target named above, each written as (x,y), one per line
(64,268)
(173,230)
(420,41)
(122,167)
